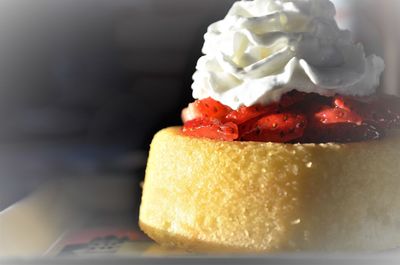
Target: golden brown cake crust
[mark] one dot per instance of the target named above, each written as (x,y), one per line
(207,195)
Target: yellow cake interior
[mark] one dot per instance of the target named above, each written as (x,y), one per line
(206,195)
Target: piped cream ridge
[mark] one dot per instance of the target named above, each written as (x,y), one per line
(263,49)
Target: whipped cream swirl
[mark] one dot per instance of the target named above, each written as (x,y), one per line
(266,48)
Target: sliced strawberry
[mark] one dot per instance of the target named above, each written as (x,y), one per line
(338,115)
(300,117)
(205,109)
(342,103)
(244,114)
(211,108)
(279,128)
(383,111)
(212,129)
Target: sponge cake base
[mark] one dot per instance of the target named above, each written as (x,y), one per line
(205,195)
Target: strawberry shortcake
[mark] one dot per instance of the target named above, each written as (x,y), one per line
(287,146)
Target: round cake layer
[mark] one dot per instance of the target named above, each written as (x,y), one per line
(207,195)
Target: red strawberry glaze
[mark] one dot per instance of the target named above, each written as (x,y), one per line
(297,118)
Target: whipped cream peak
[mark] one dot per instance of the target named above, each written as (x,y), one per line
(263,49)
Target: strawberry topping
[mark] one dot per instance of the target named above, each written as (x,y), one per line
(297,117)
(338,115)
(244,114)
(281,128)
(205,109)
(381,112)
(212,129)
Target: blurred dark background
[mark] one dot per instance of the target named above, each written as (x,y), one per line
(84,84)
(98,70)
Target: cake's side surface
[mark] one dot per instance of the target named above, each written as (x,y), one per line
(207,195)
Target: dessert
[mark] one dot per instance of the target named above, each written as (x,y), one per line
(287,146)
